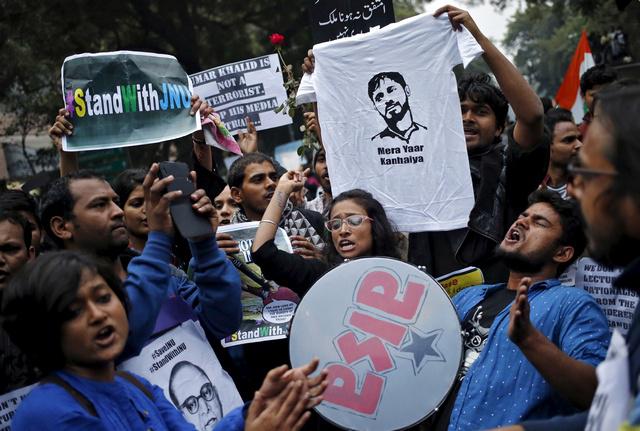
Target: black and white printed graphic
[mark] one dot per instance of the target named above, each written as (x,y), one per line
(390,115)
(390,93)
(192,393)
(474,337)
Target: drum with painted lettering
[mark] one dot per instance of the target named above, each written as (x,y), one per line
(390,338)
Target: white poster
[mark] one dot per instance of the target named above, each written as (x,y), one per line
(612,400)
(9,403)
(267,308)
(618,304)
(391,122)
(249,88)
(183,364)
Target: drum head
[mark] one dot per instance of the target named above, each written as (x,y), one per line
(390,338)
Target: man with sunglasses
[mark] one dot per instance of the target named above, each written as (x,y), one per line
(195,396)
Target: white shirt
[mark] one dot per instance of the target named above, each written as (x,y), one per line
(404,143)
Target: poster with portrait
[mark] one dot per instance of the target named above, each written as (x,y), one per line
(392,125)
(183,364)
(267,308)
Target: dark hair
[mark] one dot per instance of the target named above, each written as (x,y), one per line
(35,303)
(58,200)
(619,108)
(600,74)
(20,201)
(126,182)
(383,232)
(547,103)
(479,89)
(375,81)
(555,116)
(570,219)
(235,177)
(177,367)
(17,219)
(315,157)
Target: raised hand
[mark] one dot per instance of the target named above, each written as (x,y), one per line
(157,201)
(520,327)
(248,141)
(458,18)
(309,62)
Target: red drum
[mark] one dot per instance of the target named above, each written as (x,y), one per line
(388,335)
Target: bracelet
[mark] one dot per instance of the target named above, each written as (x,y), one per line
(269,221)
(197,140)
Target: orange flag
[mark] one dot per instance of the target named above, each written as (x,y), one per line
(568,95)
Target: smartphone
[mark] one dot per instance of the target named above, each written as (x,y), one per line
(185,218)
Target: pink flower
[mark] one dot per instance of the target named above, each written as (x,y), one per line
(276,39)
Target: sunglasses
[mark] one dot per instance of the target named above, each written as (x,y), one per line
(192,405)
(352,221)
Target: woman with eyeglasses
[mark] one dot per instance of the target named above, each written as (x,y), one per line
(357,224)
(68,313)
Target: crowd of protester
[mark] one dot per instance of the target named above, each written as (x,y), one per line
(86,270)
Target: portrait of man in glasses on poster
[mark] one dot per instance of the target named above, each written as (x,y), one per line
(192,392)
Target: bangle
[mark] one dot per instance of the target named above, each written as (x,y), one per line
(269,221)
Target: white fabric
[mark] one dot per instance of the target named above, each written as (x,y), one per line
(612,401)
(421,176)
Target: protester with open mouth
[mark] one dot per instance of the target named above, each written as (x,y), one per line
(68,312)
(357,223)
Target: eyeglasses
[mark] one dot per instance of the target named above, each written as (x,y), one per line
(353,221)
(576,169)
(192,405)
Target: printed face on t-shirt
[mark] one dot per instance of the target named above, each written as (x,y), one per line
(390,99)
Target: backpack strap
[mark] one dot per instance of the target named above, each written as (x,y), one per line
(135,382)
(77,395)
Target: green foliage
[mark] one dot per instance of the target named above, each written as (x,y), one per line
(36,36)
(544,36)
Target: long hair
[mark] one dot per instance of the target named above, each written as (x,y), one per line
(384,235)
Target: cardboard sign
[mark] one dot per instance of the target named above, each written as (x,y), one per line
(267,309)
(249,88)
(336,19)
(183,364)
(125,98)
(618,304)
(389,337)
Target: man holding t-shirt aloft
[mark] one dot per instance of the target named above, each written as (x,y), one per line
(502,175)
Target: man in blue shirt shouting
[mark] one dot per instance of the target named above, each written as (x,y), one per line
(531,345)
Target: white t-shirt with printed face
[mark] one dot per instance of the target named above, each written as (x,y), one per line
(391,123)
